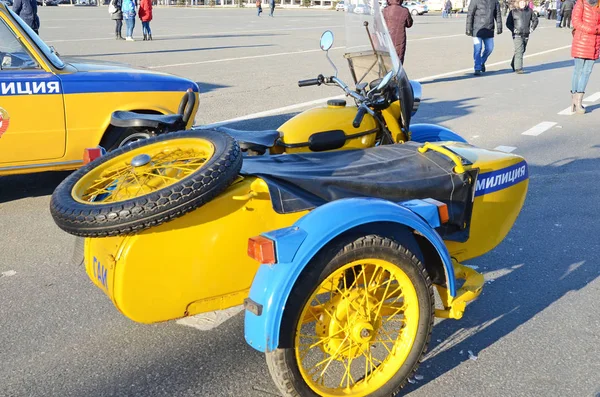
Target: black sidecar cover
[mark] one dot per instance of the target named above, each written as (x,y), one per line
(299,182)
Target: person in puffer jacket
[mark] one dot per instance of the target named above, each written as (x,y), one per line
(585,48)
(480,24)
(521,22)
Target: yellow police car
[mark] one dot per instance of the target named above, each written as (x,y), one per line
(51,110)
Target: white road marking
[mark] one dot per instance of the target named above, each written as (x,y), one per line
(324,100)
(8,273)
(506,149)
(566,112)
(540,128)
(202,34)
(278,54)
(436,37)
(210,320)
(592,98)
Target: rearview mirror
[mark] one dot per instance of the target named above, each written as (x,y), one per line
(326,40)
(385,81)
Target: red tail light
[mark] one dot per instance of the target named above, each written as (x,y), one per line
(91,154)
(262,249)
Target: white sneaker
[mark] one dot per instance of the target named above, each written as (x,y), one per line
(129,39)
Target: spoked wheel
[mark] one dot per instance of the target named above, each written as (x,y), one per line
(146,183)
(364,327)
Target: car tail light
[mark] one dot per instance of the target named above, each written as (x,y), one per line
(442,209)
(262,250)
(91,154)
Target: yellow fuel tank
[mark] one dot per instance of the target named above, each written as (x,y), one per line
(327,124)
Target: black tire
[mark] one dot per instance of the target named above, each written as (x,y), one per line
(282,362)
(116,137)
(191,192)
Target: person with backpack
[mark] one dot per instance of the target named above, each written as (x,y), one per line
(521,21)
(146,17)
(129,11)
(114,9)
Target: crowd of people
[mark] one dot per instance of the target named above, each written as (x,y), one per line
(127,10)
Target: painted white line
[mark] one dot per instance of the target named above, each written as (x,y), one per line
(437,37)
(540,128)
(592,98)
(8,273)
(566,112)
(324,100)
(278,54)
(203,34)
(506,149)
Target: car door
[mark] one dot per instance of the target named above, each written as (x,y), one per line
(32,118)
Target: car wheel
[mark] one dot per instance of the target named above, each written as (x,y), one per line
(356,323)
(146,183)
(414,12)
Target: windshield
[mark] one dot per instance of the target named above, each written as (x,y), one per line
(52,57)
(369,49)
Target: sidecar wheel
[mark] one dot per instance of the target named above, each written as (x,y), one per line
(356,323)
(146,183)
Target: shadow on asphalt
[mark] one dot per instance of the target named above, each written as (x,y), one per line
(216,36)
(563,259)
(440,111)
(506,70)
(208,87)
(174,51)
(16,187)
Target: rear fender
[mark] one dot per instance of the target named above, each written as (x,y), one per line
(433,133)
(295,246)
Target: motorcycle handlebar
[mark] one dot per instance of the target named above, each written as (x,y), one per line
(306,83)
(359,116)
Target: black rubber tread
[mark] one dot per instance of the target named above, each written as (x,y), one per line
(116,135)
(282,361)
(111,219)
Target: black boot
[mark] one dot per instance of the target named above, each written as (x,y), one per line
(121,37)
(150,37)
(145,37)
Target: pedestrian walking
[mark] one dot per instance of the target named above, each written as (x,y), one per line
(585,48)
(447,9)
(567,10)
(482,16)
(114,9)
(398,19)
(146,17)
(129,7)
(521,21)
(259,6)
(272,5)
(559,4)
(551,13)
(27,10)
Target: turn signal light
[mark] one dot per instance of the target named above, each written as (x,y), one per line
(262,250)
(91,154)
(442,209)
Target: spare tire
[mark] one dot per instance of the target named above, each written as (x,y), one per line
(146,183)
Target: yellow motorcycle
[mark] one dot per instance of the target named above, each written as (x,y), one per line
(333,253)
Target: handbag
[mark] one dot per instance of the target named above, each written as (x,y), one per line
(112,8)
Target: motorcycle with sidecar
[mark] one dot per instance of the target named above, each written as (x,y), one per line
(333,240)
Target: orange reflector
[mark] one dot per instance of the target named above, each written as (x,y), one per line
(442,209)
(91,154)
(262,249)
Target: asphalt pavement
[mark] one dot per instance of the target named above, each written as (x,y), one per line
(532,332)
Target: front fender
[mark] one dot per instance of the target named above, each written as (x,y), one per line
(433,133)
(297,245)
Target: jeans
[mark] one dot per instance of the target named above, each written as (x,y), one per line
(259,10)
(118,27)
(272,9)
(130,22)
(444,14)
(520,47)
(146,28)
(566,19)
(479,57)
(581,74)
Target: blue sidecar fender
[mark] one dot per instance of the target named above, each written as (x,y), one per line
(295,246)
(433,133)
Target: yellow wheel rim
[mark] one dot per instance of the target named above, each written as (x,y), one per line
(143,170)
(357,329)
